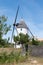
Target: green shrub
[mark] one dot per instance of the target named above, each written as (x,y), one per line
(16,56)
(41,43)
(12,57)
(35,42)
(3,57)
(22,58)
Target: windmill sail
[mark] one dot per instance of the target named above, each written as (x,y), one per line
(16,15)
(15,22)
(31,33)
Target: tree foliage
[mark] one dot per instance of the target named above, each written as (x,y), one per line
(35,42)
(16,38)
(4,28)
(23,39)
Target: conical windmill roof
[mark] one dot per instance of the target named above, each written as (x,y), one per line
(22,24)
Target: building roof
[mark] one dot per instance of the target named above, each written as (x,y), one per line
(22,24)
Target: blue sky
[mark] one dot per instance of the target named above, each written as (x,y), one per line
(30,10)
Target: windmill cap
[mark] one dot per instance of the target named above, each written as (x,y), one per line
(22,24)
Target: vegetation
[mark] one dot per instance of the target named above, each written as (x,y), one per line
(4,28)
(22,39)
(15,58)
(16,39)
(40,43)
(12,57)
(35,42)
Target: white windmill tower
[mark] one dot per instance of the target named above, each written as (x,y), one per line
(22,28)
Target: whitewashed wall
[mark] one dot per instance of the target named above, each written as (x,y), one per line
(24,30)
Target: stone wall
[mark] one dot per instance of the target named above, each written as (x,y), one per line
(33,50)
(36,50)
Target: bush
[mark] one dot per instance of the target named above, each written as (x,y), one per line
(12,57)
(35,42)
(22,58)
(16,56)
(40,43)
(3,57)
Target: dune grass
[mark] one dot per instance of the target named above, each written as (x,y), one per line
(29,61)
(15,58)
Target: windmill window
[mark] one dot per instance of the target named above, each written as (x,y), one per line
(21,29)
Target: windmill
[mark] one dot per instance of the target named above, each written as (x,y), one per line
(15,25)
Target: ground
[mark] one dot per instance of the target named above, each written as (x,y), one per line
(29,61)
(32,61)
